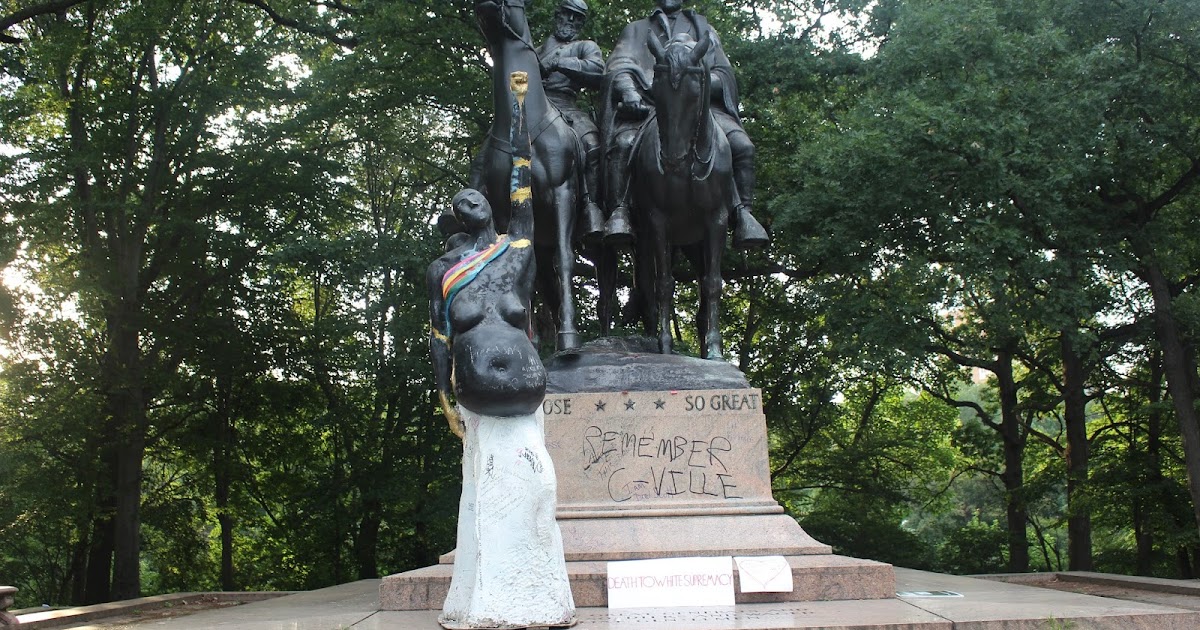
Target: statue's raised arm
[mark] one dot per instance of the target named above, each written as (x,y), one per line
(479,299)
(521,189)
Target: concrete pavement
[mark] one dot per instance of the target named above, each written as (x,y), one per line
(979,604)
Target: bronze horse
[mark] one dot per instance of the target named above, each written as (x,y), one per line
(558,164)
(684,194)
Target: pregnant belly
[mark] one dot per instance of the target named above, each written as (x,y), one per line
(497,371)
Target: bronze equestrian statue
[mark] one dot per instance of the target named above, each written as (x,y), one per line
(558,160)
(684,191)
(628,99)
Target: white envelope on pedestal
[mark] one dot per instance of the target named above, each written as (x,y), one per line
(764,574)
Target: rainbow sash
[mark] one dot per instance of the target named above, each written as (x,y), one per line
(462,273)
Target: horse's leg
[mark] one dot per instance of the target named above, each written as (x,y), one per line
(664,281)
(644,296)
(695,254)
(605,261)
(564,263)
(547,292)
(710,286)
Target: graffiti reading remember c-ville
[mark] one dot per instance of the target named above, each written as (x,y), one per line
(655,449)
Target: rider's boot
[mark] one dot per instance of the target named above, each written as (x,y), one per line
(618,230)
(747,231)
(592,222)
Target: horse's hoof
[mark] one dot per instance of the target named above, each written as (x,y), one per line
(568,340)
(748,232)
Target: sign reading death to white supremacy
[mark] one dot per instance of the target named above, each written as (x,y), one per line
(670,582)
(642,450)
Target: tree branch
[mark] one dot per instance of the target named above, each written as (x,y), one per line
(292,23)
(1179,187)
(31,12)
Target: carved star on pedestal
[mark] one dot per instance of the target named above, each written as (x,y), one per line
(600,405)
(660,404)
(629,404)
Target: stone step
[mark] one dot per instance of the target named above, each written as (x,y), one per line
(814,578)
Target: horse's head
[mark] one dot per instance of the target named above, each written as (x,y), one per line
(505,17)
(681,91)
(682,55)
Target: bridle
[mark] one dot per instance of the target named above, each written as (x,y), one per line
(675,74)
(502,5)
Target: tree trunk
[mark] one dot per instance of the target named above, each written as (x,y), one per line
(366,544)
(1180,372)
(1142,527)
(127,577)
(1014,460)
(1183,561)
(98,584)
(77,576)
(127,410)
(1079,519)
(1144,539)
(223,480)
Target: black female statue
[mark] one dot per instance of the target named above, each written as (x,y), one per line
(479,313)
(509,570)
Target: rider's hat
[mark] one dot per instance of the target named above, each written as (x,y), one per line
(578,6)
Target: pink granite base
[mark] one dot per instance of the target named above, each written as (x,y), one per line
(676,536)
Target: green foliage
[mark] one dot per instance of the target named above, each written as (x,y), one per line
(227,215)
(974,548)
(867,529)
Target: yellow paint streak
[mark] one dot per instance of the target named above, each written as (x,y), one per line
(518,82)
(521,195)
(521,163)
(452,416)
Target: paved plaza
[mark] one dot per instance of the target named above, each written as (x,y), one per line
(929,601)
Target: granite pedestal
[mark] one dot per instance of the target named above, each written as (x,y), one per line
(661,456)
(646,471)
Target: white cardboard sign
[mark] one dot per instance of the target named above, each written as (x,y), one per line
(764,574)
(669,582)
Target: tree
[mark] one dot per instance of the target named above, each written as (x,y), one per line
(120,105)
(983,155)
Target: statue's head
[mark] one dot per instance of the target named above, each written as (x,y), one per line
(471,209)
(670,6)
(569,19)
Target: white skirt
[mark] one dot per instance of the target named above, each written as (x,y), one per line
(509,570)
